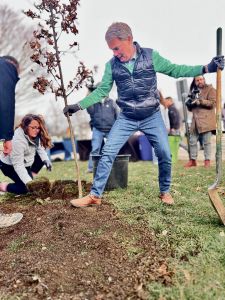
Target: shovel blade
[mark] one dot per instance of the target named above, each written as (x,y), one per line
(217,204)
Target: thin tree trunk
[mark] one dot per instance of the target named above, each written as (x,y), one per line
(72,137)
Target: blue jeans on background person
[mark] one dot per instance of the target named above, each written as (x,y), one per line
(153,127)
(96,144)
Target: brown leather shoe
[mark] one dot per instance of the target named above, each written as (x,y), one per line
(166,198)
(207,163)
(88,200)
(191,163)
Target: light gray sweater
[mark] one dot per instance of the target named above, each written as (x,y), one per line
(23,153)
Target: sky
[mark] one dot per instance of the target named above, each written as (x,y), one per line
(180,30)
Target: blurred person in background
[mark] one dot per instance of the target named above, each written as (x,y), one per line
(103,115)
(173,114)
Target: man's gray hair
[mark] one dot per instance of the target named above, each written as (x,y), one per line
(118,30)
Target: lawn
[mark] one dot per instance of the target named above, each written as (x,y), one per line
(190,230)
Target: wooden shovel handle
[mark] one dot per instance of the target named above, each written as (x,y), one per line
(218,77)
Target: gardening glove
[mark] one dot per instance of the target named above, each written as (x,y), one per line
(216,62)
(48,165)
(71,109)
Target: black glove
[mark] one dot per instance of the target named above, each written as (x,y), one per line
(71,109)
(190,103)
(48,165)
(216,62)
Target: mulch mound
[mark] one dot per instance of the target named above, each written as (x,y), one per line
(60,252)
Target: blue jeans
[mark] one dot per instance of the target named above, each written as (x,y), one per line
(96,143)
(153,127)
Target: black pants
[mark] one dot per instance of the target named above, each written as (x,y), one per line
(18,187)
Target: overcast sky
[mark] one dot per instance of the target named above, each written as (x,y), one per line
(183,31)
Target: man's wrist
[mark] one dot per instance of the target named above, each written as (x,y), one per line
(205,69)
(80,107)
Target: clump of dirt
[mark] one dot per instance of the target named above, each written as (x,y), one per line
(60,252)
(40,187)
(67,189)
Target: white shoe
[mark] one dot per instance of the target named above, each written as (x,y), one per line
(7,220)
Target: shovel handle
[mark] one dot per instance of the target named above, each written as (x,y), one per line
(218,79)
(218,110)
(219,41)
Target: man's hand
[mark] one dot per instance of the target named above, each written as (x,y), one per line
(216,62)
(7,147)
(197,102)
(48,165)
(71,109)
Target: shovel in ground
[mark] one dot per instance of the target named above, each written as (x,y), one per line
(214,188)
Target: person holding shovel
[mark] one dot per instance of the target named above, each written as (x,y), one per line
(134,69)
(9,71)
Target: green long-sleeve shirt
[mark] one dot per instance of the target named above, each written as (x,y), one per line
(161,65)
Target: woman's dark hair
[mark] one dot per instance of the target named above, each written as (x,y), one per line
(43,134)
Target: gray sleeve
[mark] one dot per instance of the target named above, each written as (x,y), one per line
(42,153)
(17,158)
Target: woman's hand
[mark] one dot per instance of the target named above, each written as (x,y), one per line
(48,165)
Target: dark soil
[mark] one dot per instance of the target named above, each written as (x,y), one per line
(60,252)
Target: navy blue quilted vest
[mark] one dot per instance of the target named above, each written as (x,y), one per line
(138,97)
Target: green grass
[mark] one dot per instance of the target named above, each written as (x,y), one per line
(190,228)
(17,244)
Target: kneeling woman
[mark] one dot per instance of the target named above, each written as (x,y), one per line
(28,154)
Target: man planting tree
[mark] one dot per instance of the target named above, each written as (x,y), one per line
(134,69)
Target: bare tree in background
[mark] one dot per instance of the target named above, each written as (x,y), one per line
(57,19)
(14,34)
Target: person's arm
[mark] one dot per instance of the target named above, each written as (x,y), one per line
(42,153)
(44,157)
(102,90)
(17,158)
(7,100)
(163,65)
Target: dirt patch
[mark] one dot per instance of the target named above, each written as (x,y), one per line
(58,252)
